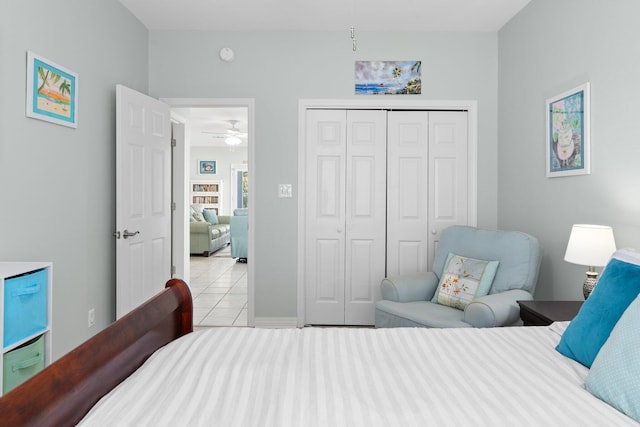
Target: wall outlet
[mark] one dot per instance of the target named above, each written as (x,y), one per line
(92,317)
(285,190)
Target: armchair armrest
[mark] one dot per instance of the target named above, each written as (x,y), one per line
(415,287)
(223,219)
(496,310)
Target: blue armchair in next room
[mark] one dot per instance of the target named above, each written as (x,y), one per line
(478,275)
(239,233)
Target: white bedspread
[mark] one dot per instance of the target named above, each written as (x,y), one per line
(358,377)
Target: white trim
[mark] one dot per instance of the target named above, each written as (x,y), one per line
(250,104)
(471,106)
(275,322)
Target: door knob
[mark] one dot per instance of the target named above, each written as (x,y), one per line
(127,233)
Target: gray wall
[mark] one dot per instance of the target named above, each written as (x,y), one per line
(57,183)
(278,69)
(550,47)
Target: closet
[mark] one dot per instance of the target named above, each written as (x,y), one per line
(378,187)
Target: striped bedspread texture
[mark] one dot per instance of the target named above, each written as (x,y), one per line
(358,377)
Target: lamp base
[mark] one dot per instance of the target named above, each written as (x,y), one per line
(589,283)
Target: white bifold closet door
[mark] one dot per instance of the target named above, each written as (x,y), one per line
(345,221)
(427,184)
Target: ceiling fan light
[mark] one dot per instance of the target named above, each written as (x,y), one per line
(232,140)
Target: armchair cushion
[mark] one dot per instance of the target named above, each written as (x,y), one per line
(464,279)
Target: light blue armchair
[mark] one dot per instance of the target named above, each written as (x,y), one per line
(407,300)
(239,234)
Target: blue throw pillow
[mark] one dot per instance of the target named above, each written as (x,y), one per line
(615,374)
(210,216)
(618,286)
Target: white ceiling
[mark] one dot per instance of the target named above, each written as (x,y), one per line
(309,15)
(325,15)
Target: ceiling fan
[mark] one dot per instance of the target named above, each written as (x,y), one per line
(232,135)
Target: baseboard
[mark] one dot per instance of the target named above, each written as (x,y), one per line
(275,322)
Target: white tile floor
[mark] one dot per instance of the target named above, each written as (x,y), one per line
(219,288)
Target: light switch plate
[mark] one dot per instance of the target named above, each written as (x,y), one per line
(285,190)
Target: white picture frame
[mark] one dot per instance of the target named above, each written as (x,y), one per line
(52,91)
(568,142)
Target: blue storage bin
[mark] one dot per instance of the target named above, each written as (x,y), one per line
(25,306)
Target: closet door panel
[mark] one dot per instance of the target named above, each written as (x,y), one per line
(449,173)
(407,192)
(365,214)
(325,217)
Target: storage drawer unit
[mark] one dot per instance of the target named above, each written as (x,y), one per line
(25,306)
(20,364)
(25,321)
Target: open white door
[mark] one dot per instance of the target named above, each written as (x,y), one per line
(143,198)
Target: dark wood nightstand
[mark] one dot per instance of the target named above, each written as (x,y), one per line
(542,313)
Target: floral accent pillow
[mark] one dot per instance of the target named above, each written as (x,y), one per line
(464,279)
(198,216)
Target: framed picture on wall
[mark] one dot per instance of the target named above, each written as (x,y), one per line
(567,127)
(388,77)
(206,167)
(52,92)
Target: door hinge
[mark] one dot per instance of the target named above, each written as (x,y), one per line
(173,270)
(174,206)
(173,142)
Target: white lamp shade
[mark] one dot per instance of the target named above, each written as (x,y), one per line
(590,245)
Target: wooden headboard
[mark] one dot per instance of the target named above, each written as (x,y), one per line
(65,391)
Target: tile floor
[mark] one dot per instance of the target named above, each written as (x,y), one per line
(219,288)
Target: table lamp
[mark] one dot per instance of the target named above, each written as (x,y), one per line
(590,245)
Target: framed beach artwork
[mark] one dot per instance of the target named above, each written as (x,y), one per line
(388,77)
(52,92)
(207,167)
(568,136)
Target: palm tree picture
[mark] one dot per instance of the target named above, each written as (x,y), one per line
(52,91)
(388,77)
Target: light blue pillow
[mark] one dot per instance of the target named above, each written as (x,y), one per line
(210,216)
(485,269)
(615,374)
(618,286)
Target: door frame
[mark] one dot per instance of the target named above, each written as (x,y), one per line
(471,106)
(181,179)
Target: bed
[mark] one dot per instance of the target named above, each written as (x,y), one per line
(150,369)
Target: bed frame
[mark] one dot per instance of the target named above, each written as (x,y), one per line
(66,390)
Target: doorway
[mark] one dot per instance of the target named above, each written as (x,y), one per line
(187,158)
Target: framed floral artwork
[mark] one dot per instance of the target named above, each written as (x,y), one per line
(52,92)
(567,127)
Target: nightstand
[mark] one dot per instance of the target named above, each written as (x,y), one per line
(542,313)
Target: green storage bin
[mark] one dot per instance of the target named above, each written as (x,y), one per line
(22,363)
